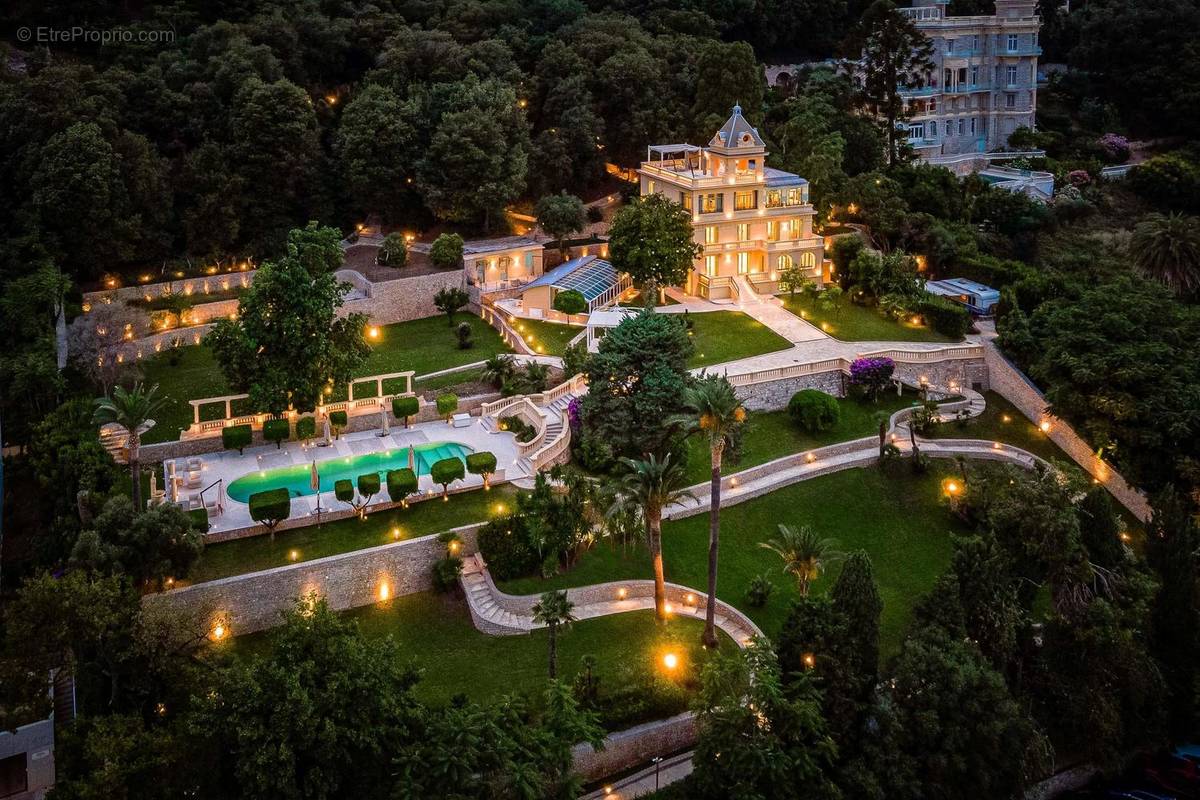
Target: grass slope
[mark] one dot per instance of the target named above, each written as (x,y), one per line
(898,520)
(852,323)
(436,633)
(721,336)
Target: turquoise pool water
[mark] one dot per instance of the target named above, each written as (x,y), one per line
(297,478)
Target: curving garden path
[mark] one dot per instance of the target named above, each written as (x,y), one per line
(500,614)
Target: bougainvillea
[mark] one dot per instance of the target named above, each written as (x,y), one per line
(872,375)
(1079,177)
(1115,147)
(573,415)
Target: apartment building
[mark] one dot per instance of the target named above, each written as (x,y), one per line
(753,221)
(984,82)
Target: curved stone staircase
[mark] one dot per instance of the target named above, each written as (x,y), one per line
(115,439)
(500,614)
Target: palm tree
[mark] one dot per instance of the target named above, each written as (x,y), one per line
(130,410)
(714,411)
(554,611)
(654,485)
(1167,248)
(804,553)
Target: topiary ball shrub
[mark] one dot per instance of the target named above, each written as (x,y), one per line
(400,484)
(814,410)
(236,437)
(483,463)
(446,472)
(447,404)
(405,407)
(306,428)
(270,507)
(338,420)
(276,430)
(343,490)
(368,485)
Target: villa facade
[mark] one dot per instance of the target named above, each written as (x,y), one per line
(752,221)
(984,82)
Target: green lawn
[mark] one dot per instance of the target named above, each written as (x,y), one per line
(547,338)
(772,434)
(853,323)
(343,536)
(721,336)
(422,345)
(899,520)
(436,633)
(1001,421)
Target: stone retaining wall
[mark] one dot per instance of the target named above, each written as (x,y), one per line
(255,601)
(221,281)
(1016,388)
(402,299)
(774,395)
(635,746)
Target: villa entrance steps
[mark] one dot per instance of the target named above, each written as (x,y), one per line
(746,294)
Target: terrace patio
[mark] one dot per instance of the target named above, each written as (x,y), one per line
(229,516)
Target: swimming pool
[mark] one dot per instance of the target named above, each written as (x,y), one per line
(297,478)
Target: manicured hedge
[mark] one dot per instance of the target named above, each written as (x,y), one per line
(199,518)
(276,430)
(944,316)
(368,485)
(814,410)
(236,437)
(306,428)
(505,546)
(270,507)
(338,420)
(447,471)
(343,490)
(447,404)
(401,483)
(405,407)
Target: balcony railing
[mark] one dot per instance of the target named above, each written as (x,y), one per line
(918,91)
(1022,50)
(966,88)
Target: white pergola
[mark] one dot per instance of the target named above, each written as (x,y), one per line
(600,321)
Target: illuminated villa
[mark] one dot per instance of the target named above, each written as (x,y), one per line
(753,221)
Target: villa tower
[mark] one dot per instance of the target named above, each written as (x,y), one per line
(753,221)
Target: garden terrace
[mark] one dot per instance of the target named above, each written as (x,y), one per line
(854,323)
(546,338)
(436,632)
(722,336)
(768,435)
(295,545)
(423,346)
(900,520)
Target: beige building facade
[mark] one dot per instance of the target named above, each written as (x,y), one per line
(752,221)
(984,82)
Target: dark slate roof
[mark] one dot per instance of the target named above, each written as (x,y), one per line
(777,177)
(735,130)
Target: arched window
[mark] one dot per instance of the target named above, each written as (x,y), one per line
(784,262)
(808,260)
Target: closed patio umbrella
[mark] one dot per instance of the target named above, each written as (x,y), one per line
(328,431)
(383,420)
(314,483)
(412,458)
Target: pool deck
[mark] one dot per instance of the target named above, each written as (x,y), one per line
(227,466)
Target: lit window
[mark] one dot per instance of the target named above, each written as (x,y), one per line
(743,232)
(743,263)
(773,230)
(710,266)
(711,234)
(745,201)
